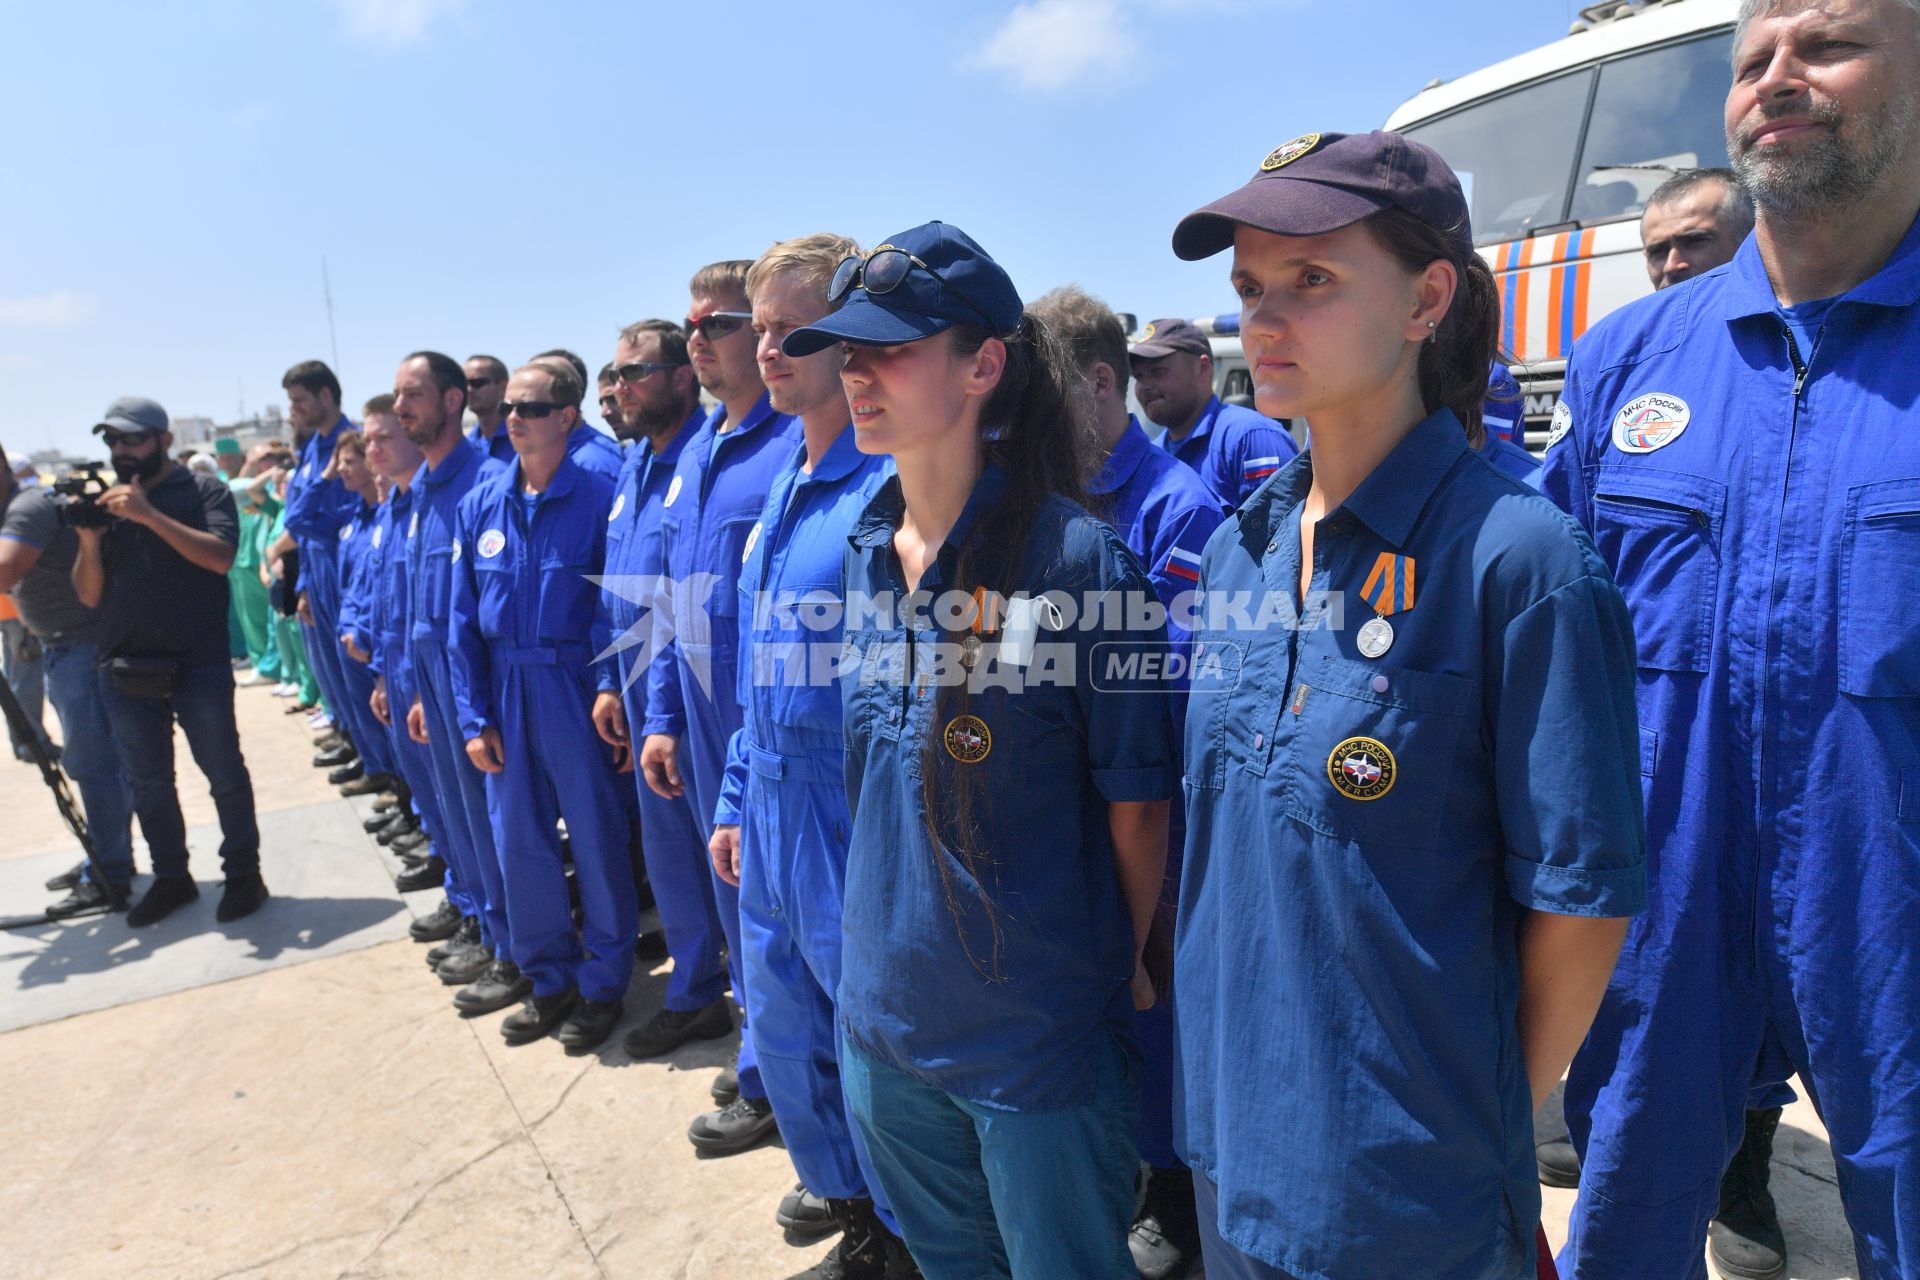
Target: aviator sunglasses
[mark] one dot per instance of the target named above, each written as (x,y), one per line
(883,271)
(641,370)
(529,410)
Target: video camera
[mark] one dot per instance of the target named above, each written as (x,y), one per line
(77,497)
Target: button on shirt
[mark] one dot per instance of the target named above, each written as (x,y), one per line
(711,504)
(791,613)
(1363,835)
(1021,1020)
(523,588)
(1234,449)
(635,556)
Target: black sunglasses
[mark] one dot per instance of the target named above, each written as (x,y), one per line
(641,370)
(883,271)
(531,410)
(126,439)
(474,384)
(716,324)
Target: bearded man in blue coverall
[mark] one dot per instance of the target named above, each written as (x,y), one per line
(1745,450)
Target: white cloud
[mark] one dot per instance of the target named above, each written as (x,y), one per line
(59,309)
(1049,45)
(390,24)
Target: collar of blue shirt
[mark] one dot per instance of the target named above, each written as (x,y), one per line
(842,459)
(1128,452)
(882,516)
(762,411)
(1389,501)
(559,487)
(461,456)
(1750,292)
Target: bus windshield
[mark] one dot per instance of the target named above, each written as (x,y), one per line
(1654,112)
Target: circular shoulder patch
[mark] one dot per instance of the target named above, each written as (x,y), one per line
(673,491)
(1650,422)
(1362,769)
(1282,156)
(456,551)
(491,544)
(1562,423)
(619,505)
(968,739)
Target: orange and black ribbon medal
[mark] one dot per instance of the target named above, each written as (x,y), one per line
(1389,590)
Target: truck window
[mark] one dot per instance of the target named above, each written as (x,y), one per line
(1511,153)
(1653,113)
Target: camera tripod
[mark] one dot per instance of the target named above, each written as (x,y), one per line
(26,731)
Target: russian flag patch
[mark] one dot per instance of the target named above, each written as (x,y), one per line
(1261,468)
(1183,564)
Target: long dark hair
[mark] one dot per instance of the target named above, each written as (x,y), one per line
(1037,427)
(1455,365)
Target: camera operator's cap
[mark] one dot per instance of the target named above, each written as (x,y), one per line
(1164,337)
(971,288)
(226,444)
(1325,181)
(133,413)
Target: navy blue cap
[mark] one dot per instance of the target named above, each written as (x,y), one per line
(971,289)
(133,414)
(1325,181)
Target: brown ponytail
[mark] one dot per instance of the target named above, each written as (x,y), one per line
(1456,364)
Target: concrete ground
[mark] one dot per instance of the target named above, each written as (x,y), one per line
(293,1095)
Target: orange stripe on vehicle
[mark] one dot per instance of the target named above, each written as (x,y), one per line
(1556,294)
(1522,289)
(1580,287)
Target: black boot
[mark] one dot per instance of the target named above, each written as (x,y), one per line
(861,1253)
(1745,1237)
(1165,1238)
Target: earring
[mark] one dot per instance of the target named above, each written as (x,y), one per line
(1433,331)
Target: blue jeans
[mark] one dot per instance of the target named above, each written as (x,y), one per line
(91,760)
(26,676)
(982,1191)
(143,730)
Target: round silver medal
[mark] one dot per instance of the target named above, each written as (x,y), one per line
(1375,638)
(970,652)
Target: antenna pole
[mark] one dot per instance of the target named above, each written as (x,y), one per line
(326,290)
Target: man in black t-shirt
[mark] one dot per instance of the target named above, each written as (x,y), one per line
(158,576)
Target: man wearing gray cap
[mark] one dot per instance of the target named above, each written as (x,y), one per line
(158,576)
(1234,449)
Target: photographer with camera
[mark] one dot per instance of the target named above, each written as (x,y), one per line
(158,576)
(37,550)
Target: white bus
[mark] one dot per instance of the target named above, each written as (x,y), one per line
(1558,150)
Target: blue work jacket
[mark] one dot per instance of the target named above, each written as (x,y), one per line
(1234,449)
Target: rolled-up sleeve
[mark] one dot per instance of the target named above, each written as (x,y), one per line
(1567,756)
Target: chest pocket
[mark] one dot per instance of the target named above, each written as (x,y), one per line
(435,585)
(728,553)
(1660,531)
(1404,745)
(1218,660)
(873,673)
(1880,591)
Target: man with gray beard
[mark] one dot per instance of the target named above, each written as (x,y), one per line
(1745,452)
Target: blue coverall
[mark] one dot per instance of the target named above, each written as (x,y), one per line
(1751,474)
(354,618)
(670,839)
(1165,515)
(315,511)
(785,789)
(712,502)
(524,631)
(1234,450)
(388,627)
(473,866)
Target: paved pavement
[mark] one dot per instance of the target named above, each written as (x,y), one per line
(293,1096)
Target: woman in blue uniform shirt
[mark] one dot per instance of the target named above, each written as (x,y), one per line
(1009,809)
(1414,821)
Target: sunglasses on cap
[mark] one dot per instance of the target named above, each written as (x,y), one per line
(883,271)
(126,439)
(530,410)
(641,370)
(716,324)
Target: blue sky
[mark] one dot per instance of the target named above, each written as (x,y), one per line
(486,176)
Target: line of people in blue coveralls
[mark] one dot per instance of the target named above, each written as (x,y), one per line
(1486,769)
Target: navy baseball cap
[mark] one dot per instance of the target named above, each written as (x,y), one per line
(954,282)
(1164,337)
(132,414)
(1322,182)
